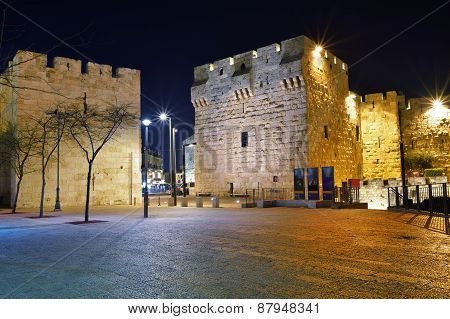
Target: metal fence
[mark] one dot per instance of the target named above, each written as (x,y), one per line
(348,195)
(338,194)
(432,198)
(252,195)
(277,193)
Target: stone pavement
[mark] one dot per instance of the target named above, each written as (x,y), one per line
(225,253)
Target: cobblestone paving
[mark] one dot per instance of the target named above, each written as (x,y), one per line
(225,253)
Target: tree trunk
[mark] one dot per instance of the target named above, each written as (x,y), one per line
(41,206)
(88,192)
(16,197)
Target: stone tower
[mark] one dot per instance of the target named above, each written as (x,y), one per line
(381,135)
(40,85)
(263,113)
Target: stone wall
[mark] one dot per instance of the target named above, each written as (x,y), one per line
(281,99)
(374,192)
(116,176)
(246,94)
(381,135)
(7,114)
(425,130)
(331,107)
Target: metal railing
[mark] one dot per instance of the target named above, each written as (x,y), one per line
(252,195)
(432,198)
(346,195)
(277,193)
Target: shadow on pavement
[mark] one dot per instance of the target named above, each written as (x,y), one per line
(435,223)
(86,223)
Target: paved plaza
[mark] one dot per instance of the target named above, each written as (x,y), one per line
(225,253)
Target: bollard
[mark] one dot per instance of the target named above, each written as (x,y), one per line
(215,202)
(170,202)
(198,202)
(184,202)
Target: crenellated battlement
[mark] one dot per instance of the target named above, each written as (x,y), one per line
(392,96)
(262,59)
(37,62)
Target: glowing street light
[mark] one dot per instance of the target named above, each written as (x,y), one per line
(163,116)
(146,122)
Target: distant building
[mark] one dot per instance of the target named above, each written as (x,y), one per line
(189,159)
(155,168)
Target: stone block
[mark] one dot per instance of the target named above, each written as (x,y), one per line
(437,179)
(215,203)
(265,203)
(199,202)
(417,180)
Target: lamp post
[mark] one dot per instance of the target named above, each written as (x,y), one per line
(174,168)
(58,202)
(146,123)
(164,117)
(184,170)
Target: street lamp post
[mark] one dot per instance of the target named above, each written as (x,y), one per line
(174,168)
(184,170)
(58,202)
(164,117)
(146,124)
(58,132)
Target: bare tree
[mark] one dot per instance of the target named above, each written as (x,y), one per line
(51,129)
(17,148)
(92,128)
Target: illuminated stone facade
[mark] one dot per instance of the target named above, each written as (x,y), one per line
(116,175)
(260,114)
(381,135)
(387,120)
(425,130)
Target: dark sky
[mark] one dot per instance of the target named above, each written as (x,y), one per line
(166,39)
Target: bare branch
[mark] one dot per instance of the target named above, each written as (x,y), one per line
(93,127)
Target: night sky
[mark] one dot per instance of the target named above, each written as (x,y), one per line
(165,40)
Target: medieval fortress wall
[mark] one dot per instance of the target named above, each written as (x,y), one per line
(296,107)
(116,178)
(425,130)
(245,93)
(381,135)
(283,97)
(331,108)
